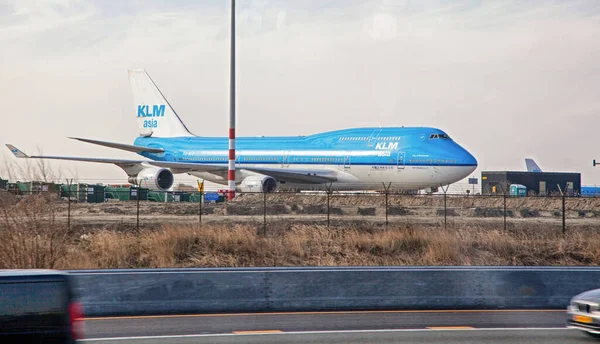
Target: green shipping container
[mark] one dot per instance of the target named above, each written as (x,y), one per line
(180,196)
(118,193)
(126,193)
(157,196)
(95,193)
(24,187)
(77,192)
(135,192)
(195,197)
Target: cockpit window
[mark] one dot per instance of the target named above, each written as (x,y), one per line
(439,136)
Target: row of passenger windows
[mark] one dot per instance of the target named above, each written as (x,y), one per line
(354,138)
(203,158)
(262,159)
(276,159)
(386,138)
(259,158)
(434,161)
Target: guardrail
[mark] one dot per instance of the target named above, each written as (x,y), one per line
(170,291)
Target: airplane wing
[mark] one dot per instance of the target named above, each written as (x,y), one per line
(130,148)
(297,175)
(291,175)
(132,167)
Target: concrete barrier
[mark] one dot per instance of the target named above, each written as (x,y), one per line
(167,291)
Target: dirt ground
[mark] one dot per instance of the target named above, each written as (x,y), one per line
(346,209)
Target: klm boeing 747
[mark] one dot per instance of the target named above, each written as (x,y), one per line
(350,159)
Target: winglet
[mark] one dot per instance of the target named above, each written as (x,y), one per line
(17,152)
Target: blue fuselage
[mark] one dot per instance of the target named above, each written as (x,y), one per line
(362,146)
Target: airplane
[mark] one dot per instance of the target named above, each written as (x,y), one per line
(532,166)
(411,158)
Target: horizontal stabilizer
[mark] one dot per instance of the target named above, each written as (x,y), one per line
(130,148)
(17,152)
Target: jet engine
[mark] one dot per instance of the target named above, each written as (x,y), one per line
(258,183)
(153,178)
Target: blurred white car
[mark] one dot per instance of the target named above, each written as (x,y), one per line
(583,313)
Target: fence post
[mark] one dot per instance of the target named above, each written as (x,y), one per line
(445,207)
(328,195)
(329,190)
(387,192)
(138,207)
(504,195)
(564,223)
(69,183)
(445,211)
(264,213)
(200,212)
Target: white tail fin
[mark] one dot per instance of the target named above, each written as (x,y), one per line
(532,166)
(155,115)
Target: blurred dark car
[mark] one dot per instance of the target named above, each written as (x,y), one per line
(38,306)
(583,313)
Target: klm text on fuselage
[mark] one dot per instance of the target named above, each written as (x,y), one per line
(157,111)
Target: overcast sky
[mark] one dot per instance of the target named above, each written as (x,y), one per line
(506,79)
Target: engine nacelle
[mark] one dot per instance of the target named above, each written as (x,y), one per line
(258,184)
(153,178)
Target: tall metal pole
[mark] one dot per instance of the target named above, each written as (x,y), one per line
(231,165)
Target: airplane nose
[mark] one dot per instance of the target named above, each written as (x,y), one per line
(465,158)
(470,159)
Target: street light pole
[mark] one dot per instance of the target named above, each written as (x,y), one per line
(231,162)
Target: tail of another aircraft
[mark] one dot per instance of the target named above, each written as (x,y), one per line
(532,166)
(155,115)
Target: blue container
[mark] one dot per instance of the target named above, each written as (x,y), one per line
(590,191)
(211,197)
(518,190)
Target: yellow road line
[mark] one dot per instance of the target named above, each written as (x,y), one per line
(332,312)
(257,332)
(450,328)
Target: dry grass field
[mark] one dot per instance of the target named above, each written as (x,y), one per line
(34,233)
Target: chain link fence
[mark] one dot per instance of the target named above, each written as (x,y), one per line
(137,208)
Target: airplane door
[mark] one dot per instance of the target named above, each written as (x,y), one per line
(373,137)
(346,162)
(400,162)
(285,162)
